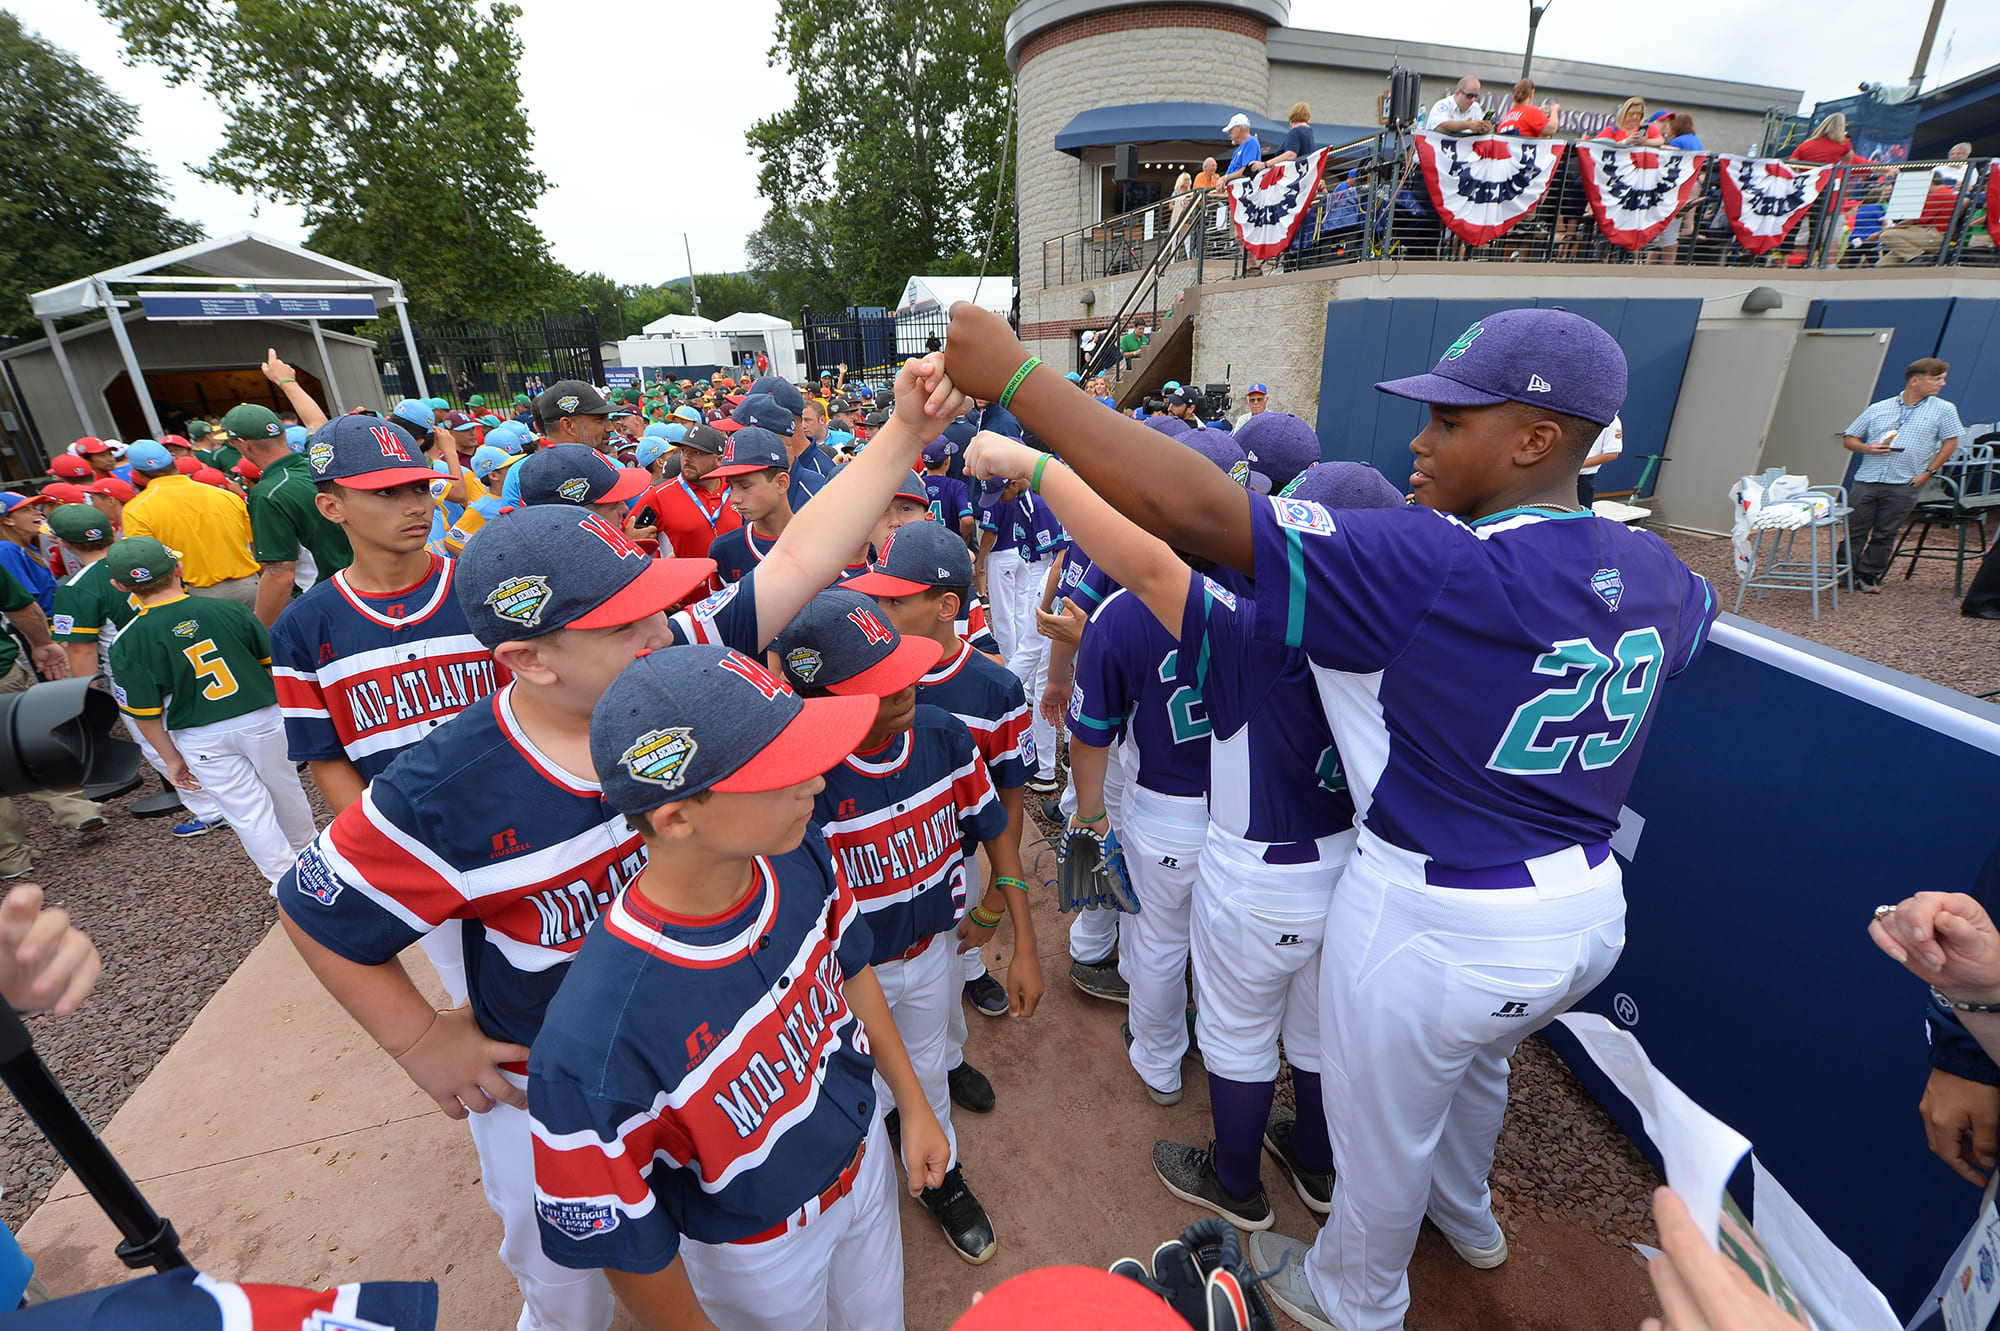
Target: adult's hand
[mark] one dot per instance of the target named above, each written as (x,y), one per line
(1961,1119)
(1699,1288)
(52,659)
(276,370)
(981,351)
(1946,939)
(47,964)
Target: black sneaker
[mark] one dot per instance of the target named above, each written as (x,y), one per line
(969,1089)
(1042,785)
(1314,1189)
(892,1123)
(987,995)
(1052,810)
(1189,1173)
(1101,981)
(961,1217)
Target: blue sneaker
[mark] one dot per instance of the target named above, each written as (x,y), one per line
(194,827)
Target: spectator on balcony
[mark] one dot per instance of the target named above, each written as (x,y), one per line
(1828,143)
(1955,166)
(1184,198)
(1248,152)
(1629,125)
(1524,119)
(1864,226)
(1206,178)
(1458,111)
(1915,237)
(1128,348)
(1680,132)
(1299,142)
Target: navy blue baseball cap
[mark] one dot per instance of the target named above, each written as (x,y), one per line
(752,449)
(959,433)
(839,644)
(766,413)
(531,571)
(689,719)
(578,474)
(912,488)
(1344,485)
(1173,427)
(783,390)
(367,453)
(917,556)
(1544,357)
(1221,449)
(1278,446)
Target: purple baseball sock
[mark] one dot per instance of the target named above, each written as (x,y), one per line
(1240,1109)
(1310,1147)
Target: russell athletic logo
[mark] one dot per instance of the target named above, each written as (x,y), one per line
(1512,1010)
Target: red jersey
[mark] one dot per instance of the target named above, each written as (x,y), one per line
(1526,120)
(1823,150)
(689,517)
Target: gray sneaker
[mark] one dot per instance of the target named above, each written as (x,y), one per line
(1314,1189)
(1101,981)
(1483,1259)
(1281,1263)
(1189,1173)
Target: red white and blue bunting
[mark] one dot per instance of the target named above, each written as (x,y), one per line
(1635,193)
(1992,204)
(1764,197)
(1268,207)
(1483,186)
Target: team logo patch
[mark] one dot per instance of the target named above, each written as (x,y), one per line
(661,756)
(142,574)
(1028,747)
(1302,515)
(578,1220)
(438,487)
(1240,473)
(187,628)
(1609,587)
(576,489)
(804,662)
(1464,343)
(274,429)
(521,600)
(1075,702)
(319,456)
(567,403)
(316,877)
(1219,592)
(706,607)
(63,624)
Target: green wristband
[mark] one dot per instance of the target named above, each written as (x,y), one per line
(1098,819)
(1014,384)
(1035,479)
(1010,882)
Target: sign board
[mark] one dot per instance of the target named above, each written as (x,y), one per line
(621,376)
(181,305)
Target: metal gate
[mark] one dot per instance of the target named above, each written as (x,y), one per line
(869,340)
(498,359)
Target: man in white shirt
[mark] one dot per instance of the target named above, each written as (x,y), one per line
(1955,167)
(1086,343)
(1257,397)
(1458,111)
(1610,443)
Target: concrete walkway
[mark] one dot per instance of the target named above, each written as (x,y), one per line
(286,1147)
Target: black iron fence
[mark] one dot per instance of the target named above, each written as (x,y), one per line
(498,360)
(870,341)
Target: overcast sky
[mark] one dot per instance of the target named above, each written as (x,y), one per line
(699,94)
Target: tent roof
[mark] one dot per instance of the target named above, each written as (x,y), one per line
(992,293)
(751,320)
(668,325)
(242,256)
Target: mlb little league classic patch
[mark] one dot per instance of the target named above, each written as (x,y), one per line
(316,878)
(521,600)
(578,1220)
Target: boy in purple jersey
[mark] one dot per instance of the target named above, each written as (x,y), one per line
(497,818)
(950,501)
(900,815)
(921,577)
(1488,661)
(1018,536)
(702,1089)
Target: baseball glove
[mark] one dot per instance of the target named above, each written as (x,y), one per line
(1205,1278)
(1090,872)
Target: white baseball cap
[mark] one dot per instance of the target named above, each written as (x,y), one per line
(1238,119)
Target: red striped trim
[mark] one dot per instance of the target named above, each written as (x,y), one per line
(503,709)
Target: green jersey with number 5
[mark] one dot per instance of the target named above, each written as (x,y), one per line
(195,659)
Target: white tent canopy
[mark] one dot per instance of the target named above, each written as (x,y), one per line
(925,293)
(750,321)
(680,325)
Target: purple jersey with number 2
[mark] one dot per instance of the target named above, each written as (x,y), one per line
(1490,683)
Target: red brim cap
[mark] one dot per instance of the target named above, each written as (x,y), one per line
(875,583)
(726,425)
(741,469)
(825,731)
(632,482)
(664,584)
(1070,1298)
(389,477)
(899,670)
(93,446)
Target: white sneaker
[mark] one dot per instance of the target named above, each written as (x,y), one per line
(1281,1260)
(1483,1259)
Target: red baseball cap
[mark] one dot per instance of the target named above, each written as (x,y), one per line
(210,476)
(1070,1298)
(248,470)
(175,441)
(91,444)
(62,492)
(112,487)
(189,466)
(69,464)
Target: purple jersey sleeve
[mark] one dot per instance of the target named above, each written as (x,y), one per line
(1102,693)
(1351,588)
(1219,654)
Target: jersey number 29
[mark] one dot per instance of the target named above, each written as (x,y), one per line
(1626,685)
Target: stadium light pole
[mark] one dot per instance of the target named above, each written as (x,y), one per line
(1535,13)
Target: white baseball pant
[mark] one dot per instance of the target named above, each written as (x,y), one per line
(243,765)
(1425,992)
(199,803)
(1094,933)
(921,992)
(1163,836)
(444,948)
(971,965)
(1255,930)
(553,1298)
(1013,593)
(841,1271)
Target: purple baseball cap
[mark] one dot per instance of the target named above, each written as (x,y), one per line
(1278,446)
(937,450)
(1543,357)
(1344,485)
(1223,451)
(989,492)
(1173,427)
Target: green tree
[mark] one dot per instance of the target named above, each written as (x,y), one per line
(724,294)
(395,125)
(646,304)
(905,158)
(76,196)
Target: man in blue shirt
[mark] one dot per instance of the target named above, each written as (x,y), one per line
(1902,440)
(1248,152)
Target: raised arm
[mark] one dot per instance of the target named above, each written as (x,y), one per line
(286,380)
(1175,494)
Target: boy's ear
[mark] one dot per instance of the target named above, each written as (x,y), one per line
(947,608)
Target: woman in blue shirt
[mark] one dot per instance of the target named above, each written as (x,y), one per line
(1299,138)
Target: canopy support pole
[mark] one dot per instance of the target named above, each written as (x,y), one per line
(69,375)
(410,340)
(131,360)
(326,369)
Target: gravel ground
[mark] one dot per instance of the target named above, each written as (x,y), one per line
(172,920)
(1913,626)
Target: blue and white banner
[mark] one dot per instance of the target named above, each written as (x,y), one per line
(185,305)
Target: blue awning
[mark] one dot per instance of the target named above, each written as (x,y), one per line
(1160,122)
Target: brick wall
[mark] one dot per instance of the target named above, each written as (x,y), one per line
(1270,334)
(1151,16)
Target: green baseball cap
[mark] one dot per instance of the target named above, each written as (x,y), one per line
(247,420)
(475,401)
(140,562)
(79,522)
(520,399)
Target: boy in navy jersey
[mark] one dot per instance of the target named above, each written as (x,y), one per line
(921,578)
(1488,661)
(753,465)
(901,814)
(702,1089)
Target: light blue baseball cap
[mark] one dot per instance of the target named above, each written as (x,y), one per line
(652,448)
(416,412)
(296,436)
(147,455)
(487,459)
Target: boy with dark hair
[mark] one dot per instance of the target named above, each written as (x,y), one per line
(950,501)
(751,1187)
(900,813)
(754,465)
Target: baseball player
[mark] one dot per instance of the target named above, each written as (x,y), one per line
(193,673)
(580,475)
(899,813)
(775,405)
(753,464)
(1485,812)
(692,509)
(920,577)
(497,818)
(89,614)
(751,1187)
(1017,536)
(950,501)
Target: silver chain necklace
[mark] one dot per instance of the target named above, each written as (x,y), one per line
(1557,508)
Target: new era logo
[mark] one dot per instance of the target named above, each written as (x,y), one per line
(1537,384)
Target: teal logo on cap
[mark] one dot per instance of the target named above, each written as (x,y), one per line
(1465,341)
(661,756)
(575,489)
(521,600)
(320,456)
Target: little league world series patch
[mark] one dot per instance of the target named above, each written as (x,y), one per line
(1302,515)
(521,599)
(661,756)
